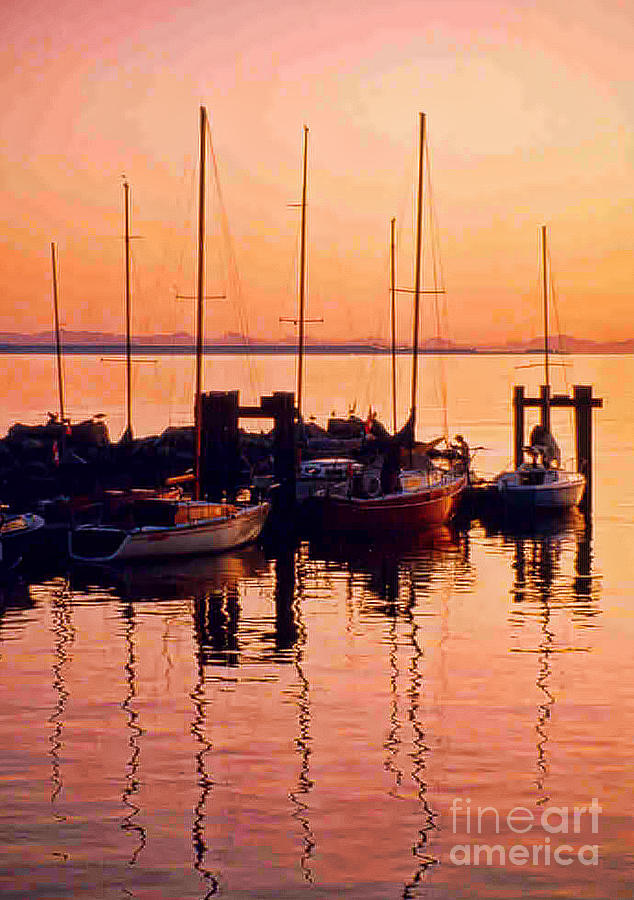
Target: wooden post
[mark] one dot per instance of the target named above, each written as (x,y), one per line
(285,577)
(219,444)
(281,405)
(583,563)
(518,424)
(583,404)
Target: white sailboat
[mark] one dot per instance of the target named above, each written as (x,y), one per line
(146,524)
(539,482)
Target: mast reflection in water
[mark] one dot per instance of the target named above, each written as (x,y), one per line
(299,720)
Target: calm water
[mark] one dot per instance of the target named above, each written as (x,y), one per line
(314,720)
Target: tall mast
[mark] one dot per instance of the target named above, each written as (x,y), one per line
(200,294)
(546,415)
(417,274)
(127,434)
(393,316)
(302,279)
(58,341)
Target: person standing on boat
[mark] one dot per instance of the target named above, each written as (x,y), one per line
(463,454)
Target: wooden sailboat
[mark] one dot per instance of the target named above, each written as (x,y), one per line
(148,525)
(539,483)
(398,499)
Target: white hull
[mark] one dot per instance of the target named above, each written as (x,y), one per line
(564,492)
(206,536)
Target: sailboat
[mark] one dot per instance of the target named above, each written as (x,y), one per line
(147,524)
(539,482)
(397,499)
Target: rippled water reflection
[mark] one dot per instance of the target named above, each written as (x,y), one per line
(298,720)
(315,719)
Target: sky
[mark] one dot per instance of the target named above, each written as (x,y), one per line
(529,105)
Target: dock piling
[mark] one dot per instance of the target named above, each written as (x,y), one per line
(583,402)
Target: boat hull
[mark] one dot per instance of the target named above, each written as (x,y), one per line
(560,495)
(99,544)
(17,535)
(405,511)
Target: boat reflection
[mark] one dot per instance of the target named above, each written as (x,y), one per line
(303,742)
(205,782)
(421,849)
(541,593)
(177,579)
(382,568)
(63,640)
(14,595)
(398,580)
(392,741)
(248,608)
(132,777)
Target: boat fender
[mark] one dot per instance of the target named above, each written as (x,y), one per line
(371,485)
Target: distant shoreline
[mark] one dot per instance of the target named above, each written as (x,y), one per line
(286,350)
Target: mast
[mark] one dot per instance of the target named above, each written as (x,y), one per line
(58,341)
(302,279)
(546,407)
(127,434)
(393,316)
(417,274)
(200,292)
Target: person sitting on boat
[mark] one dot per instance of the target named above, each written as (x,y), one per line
(544,443)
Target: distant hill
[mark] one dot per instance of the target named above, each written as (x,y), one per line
(91,341)
(565,343)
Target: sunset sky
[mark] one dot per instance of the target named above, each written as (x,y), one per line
(530,108)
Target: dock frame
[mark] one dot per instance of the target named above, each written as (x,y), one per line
(221,412)
(583,402)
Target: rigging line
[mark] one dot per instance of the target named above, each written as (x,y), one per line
(291,281)
(232,265)
(372,371)
(190,179)
(438,282)
(563,364)
(399,342)
(555,305)
(377,376)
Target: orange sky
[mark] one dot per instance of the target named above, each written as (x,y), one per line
(529,105)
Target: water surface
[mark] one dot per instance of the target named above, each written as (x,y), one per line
(318,719)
